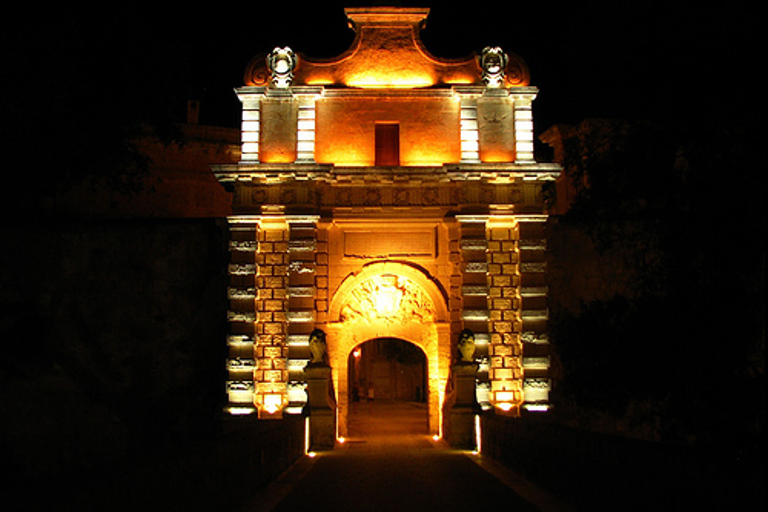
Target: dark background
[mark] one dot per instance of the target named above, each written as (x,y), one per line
(589,59)
(98,347)
(79,78)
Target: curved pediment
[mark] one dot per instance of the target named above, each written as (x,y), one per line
(387,52)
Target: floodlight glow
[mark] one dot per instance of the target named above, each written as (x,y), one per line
(536,407)
(272,403)
(478,435)
(241,411)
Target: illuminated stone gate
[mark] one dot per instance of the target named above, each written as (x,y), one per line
(387,193)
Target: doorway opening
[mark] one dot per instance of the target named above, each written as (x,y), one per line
(388,389)
(387,141)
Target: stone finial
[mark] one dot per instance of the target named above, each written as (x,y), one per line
(281,64)
(493,61)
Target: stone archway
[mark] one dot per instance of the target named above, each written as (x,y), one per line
(390,300)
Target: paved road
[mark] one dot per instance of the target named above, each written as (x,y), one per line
(389,463)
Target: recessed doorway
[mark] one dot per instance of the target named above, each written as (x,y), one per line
(388,389)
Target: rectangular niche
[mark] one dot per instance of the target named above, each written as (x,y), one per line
(413,243)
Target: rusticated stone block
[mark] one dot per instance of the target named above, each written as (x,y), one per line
(273,305)
(500,234)
(273,235)
(273,375)
(501,280)
(273,352)
(274,328)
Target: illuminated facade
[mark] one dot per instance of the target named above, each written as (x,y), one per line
(387,193)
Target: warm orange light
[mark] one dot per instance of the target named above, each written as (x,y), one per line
(319,80)
(497,156)
(429,129)
(387,299)
(384,78)
(460,80)
(278,158)
(414,157)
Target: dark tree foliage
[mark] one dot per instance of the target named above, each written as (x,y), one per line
(80,85)
(687,338)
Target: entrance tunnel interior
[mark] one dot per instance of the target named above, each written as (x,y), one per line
(388,388)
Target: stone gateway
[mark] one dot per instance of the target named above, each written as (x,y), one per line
(387,193)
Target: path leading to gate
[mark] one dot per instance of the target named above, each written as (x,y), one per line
(390,463)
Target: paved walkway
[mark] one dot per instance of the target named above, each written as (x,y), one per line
(390,463)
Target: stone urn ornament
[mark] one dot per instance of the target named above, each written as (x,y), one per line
(281,64)
(317,347)
(493,61)
(467,346)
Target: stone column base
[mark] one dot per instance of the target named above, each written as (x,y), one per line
(321,407)
(460,416)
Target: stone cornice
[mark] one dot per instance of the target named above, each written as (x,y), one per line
(385,176)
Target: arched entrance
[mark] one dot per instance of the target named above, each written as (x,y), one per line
(390,300)
(387,386)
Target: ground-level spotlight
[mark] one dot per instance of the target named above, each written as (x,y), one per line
(478,435)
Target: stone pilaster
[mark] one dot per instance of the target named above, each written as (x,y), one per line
(470,139)
(495,126)
(305,130)
(534,313)
(279,121)
(251,123)
(474,291)
(505,325)
(241,314)
(271,351)
(301,305)
(523,114)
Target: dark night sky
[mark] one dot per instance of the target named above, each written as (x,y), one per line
(590,58)
(84,71)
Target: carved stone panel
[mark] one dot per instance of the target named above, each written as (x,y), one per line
(392,298)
